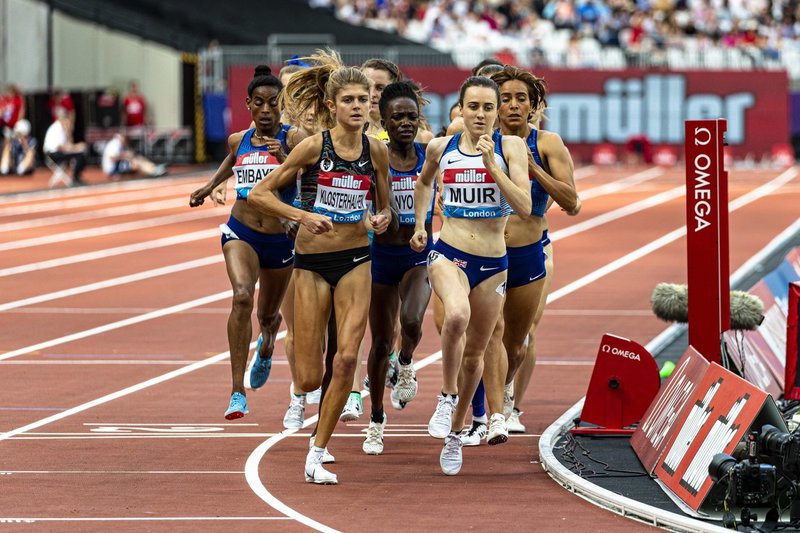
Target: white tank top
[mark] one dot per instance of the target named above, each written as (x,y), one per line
(469,189)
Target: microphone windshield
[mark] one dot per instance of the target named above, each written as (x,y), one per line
(670,302)
(747,310)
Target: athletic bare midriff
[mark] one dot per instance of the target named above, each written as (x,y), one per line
(341,237)
(255,219)
(523,232)
(477,237)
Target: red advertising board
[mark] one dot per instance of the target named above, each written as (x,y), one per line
(591,107)
(707,236)
(658,423)
(717,415)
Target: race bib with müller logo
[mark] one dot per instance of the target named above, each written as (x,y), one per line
(472,193)
(403,190)
(250,168)
(342,196)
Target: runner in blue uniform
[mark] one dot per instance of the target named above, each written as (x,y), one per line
(399,274)
(255,245)
(522,99)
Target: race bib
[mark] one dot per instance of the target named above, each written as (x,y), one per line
(471,193)
(250,168)
(342,197)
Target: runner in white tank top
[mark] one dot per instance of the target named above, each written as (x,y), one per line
(467,267)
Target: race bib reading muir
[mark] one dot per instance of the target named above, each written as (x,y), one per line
(471,193)
(341,196)
(250,168)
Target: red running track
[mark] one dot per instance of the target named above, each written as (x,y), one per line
(114,376)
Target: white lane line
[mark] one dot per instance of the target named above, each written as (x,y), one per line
(124,392)
(97,191)
(113,282)
(117,211)
(422,433)
(94,201)
(670,237)
(620,212)
(619,185)
(251,466)
(181,472)
(110,252)
(176,424)
(113,310)
(146,362)
(194,214)
(584,172)
(117,325)
(32,520)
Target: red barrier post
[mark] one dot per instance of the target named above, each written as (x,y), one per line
(707,236)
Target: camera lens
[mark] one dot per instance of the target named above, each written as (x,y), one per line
(721,466)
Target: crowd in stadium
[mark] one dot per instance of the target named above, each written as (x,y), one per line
(573,32)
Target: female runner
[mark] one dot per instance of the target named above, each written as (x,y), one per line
(484,176)
(255,245)
(332,250)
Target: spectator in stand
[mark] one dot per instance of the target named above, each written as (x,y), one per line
(61,99)
(134,107)
(119,159)
(12,107)
(59,147)
(19,152)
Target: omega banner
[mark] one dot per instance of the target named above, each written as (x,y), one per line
(590,107)
(707,236)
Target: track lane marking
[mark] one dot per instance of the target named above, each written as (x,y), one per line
(114,282)
(110,252)
(107,230)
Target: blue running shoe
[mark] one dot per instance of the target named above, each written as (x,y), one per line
(238,407)
(259,373)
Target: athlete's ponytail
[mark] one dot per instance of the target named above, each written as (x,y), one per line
(263,77)
(311,87)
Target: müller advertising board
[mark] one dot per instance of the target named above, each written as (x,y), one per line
(591,107)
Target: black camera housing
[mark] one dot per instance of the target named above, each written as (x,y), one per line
(750,484)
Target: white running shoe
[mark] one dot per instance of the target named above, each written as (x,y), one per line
(508,400)
(450,459)
(441,423)
(327,457)
(513,423)
(498,431)
(312,398)
(373,444)
(315,472)
(475,435)
(294,417)
(353,408)
(397,403)
(406,386)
